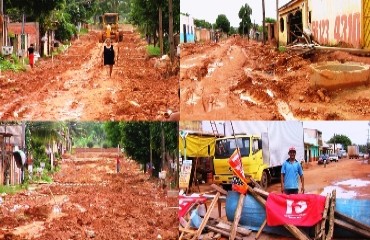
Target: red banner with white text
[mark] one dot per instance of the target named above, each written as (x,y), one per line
(295,209)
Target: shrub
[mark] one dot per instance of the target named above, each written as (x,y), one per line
(90,144)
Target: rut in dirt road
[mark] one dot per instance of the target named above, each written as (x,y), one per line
(241,79)
(90,200)
(74,85)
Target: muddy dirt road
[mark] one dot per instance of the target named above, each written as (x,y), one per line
(236,79)
(350,178)
(90,200)
(75,85)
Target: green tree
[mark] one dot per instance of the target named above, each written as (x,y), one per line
(270,20)
(43,134)
(138,138)
(244,14)
(223,23)
(202,23)
(145,14)
(343,139)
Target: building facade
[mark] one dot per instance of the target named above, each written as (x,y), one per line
(332,22)
(312,144)
(187,30)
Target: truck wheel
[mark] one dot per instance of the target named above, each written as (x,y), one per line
(264,180)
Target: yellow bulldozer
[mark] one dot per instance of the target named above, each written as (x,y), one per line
(111,19)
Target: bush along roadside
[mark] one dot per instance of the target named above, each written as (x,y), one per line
(11,63)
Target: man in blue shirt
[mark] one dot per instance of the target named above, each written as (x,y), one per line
(290,171)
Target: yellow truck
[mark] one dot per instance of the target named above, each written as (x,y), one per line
(263,146)
(115,32)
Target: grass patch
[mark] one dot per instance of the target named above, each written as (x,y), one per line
(83,31)
(12,189)
(282,49)
(153,51)
(11,63)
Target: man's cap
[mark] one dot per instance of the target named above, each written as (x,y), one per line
(292,149)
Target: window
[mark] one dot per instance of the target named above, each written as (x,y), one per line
(282,24)
(226,147)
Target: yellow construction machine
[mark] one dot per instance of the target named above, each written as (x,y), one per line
(115,32)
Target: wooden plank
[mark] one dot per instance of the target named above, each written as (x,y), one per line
(351,221)
(237,215)
(187,230)
(352,228)
(324,217)
(206,217)
(187,225)
(260,230)
(261,192)
(222,232)
(219,189)
(227,226)
(222,191)
(331,216)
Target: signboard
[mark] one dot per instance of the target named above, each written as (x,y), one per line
(185,171)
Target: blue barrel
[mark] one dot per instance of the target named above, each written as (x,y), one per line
(253,214)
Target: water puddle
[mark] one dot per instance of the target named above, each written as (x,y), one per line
(193,99)
(340,192)
(284,110)
(212,67)
(354,183)
(248,98)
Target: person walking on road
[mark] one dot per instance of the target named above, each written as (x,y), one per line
(118,164)
(31,56)
(108,55)
(290,171)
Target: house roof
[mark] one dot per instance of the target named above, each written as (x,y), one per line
(16,28)
(290,3)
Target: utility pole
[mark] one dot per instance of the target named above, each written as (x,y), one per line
(160,29)
(277,24)
(263,22)
(170,30)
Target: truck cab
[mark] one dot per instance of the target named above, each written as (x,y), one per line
(251,153)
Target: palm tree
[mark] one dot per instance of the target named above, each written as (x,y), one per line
(47,133)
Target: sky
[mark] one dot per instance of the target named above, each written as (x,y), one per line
(357,131)
(210,9)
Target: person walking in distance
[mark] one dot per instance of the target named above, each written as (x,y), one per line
(31,56)
(108,55)
(290,171)
(118,164)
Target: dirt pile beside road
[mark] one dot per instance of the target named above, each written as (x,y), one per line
(90,200)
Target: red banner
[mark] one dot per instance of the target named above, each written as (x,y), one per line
(186,202)
(295,209)
(239,182)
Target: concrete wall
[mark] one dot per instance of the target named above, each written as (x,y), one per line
(332,21)
(335,21)
(202,35)
(188,33)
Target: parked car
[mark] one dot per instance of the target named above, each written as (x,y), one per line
(360,154)
(366,155)
(333,157)
(323,158)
